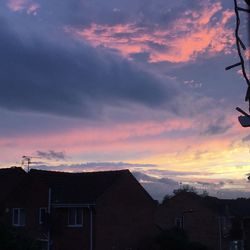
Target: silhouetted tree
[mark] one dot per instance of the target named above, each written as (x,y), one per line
(166,198)
(185,189)
(204,193)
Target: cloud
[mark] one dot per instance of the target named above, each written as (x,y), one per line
(147,178)
(19,5)
(74,80)
(157,187)
(51,155)
(165,172)
(246,138)
(218,126)
(210,184)
(193,33)
(116,165)
(89,166)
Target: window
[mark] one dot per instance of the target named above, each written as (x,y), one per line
(179,222)
(226,226)
(236,245)
(75,217)
(42,215)
(18,217)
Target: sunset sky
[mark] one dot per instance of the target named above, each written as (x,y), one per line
(92,85)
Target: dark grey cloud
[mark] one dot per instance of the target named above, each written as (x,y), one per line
(246,138)
(72,79)
(144,12)
(144,177)
(140,57)
(218,126)
(51,155)
(232,194)
(157,187)
(211,185)
(23,123)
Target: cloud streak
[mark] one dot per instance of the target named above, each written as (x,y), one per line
(51,155)
(93,166)
(216,127)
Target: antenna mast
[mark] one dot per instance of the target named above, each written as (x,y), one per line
(26,159)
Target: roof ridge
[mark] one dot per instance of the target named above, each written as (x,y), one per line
(74,173)
(13,168)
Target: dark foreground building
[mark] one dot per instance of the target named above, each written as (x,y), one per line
(78,211)
(216,223)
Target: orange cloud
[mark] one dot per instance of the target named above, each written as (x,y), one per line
(191,35)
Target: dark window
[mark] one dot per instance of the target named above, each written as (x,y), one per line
(226,226)
(179,222)
(42,215)
(18,217)
(75,217)
(236,245)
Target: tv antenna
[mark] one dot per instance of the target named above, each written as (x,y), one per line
(27,159)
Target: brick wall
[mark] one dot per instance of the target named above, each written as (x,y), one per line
(124,217)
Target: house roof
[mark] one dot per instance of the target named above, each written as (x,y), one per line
(76,188)
(227,207)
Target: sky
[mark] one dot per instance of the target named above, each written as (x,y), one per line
(89,85)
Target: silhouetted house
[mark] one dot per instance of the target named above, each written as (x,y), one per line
(216,223)
(9,179)
(73,211)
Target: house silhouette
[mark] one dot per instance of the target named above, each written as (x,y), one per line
(218,224)
(73,211)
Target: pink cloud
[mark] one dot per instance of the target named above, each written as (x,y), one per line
(191,35)
(32,8)
(21,5)
(16,5)
(120,140)
(247,54)
(172,144)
